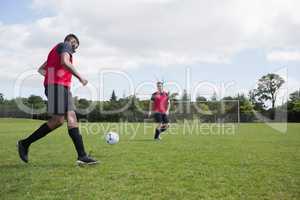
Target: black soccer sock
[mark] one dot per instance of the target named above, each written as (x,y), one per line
(157,133)
(36,135)
(163,129)
(77,140)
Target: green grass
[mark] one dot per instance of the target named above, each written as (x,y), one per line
(256,162)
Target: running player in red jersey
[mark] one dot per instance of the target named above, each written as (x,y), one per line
(58,71)
(160,105)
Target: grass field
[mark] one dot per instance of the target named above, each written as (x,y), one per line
(255,162)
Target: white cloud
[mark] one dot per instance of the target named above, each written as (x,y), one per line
(284,56)
(133,33)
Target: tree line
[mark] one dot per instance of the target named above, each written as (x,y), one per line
(242,107)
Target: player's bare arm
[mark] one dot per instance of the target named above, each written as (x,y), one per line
(65,60)
(42,70)
(168,108)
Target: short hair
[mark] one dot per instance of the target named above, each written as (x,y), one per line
(159,82)
(73,36)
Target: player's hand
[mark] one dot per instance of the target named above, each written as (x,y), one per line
(149,114)
(83,81)
(167,112)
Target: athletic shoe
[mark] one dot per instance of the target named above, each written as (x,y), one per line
(23,151)
(86,160)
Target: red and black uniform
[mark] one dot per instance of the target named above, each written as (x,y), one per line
(57,89)
(57,80)
(160,106)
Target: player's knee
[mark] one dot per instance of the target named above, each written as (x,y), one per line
(165,126)
(72,120)
(56,121)
(59,120)
(72,124)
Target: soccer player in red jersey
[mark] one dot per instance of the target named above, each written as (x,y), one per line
(58,71)
(160,106)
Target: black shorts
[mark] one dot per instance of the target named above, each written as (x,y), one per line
(161,118)
(60,99)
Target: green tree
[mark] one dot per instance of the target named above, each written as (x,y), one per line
(200,98)
(268,87)
(296,107)
(214,97)
(228,98)
(173,96)
(1,98)
(185,104)
(257,103)
(246,109)
(293,106)
(201,108)
(83,103)
(35,101)
(185,96)
(295,96)
(113,97)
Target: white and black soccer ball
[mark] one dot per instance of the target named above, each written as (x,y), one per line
(112,138)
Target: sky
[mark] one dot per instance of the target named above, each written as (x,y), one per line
(199,45)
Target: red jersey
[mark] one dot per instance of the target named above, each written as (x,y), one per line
(161,100)
(56,73)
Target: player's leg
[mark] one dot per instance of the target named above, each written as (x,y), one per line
(42,131)
(162,126)
(73,129)
(75,134)
(54,122)
(56,107)
(157,131)
(165,123)
(158,120)
(77,140)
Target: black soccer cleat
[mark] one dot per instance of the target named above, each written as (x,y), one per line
(157,138)
(23,151)
(86,160)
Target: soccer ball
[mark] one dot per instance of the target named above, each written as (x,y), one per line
(112,138)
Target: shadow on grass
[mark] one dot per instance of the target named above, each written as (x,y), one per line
(22,166)
(142,140)
(13,166)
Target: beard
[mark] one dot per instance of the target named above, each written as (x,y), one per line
(73,48)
